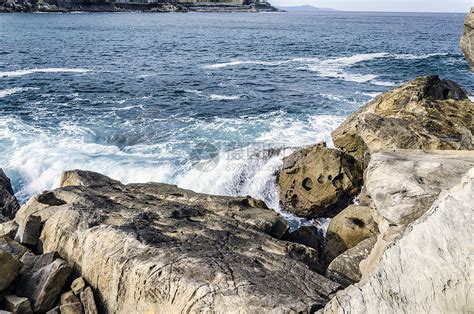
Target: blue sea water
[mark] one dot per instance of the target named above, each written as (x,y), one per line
(144,97)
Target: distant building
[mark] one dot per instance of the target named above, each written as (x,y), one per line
(240,2)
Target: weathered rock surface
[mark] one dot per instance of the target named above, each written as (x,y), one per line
(467,39)
(43,287)
(427,113)
(88,301)
(318,181)
(351,226)
(155,247)
(8,202)
(29,231)
(402,185)
(32,262)
(9,267)
(78,285)
(17,305)
(306,235)
(428,270)
(8,228)
(344,269)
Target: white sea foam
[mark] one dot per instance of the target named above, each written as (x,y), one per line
(14,90)
(471,98)
(382,83)
(417,57)
(44,70)
(223,97)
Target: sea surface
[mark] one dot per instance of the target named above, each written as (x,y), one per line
(199,100)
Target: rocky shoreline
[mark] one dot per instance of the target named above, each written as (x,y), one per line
(399,187)
(52,6)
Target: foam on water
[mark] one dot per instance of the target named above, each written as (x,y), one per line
(223,97)
(44,70)
(14,90)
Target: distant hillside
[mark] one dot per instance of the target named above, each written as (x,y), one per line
(304,8)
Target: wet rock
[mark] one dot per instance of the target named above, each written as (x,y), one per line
(32,262)
(88,302)
(8,228)
(467,39)
(29,231)
(8,203)
(318,181)
(427,113)
(78,285)
(158,248)
(344,269)
(43,287)
(17,305)
(9,267)
(427,270)
(351,226)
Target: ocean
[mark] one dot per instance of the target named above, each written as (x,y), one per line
(210,102)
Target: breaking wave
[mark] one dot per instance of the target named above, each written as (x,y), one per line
(45,70)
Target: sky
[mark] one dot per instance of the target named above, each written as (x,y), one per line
(385,5)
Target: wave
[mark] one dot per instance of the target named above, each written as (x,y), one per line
(223,97)
(471,98)
(44,70)
(418,57)
(14,90)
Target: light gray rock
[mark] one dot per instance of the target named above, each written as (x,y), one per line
(17,305)
(88,301)
(29,231)
(403,184)
(344,269)
(71,308)
(43,287)
(8,203)
(78,285)
(467,39)
(429,270)
(32,262)
(158,248)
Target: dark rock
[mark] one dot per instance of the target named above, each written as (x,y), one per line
(155,246)
(8,228)
(9,267)
(344,269)
(427,113)
(306,235)
(43,287)
(318,181)
(12,247)
(32,262)
(17,305)
(88,302)
(8,202)
(29,231)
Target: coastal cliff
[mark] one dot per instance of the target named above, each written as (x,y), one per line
(97,245)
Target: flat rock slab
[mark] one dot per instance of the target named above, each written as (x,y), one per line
(404,184)
(158,248)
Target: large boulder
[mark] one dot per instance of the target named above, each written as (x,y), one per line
(9,267)
(318,181)
(427,113)
(154,247)
(344,269)
(428,270)
(402,185)
(8,203)
(351,226)
(467,39)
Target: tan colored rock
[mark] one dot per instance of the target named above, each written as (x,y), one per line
(467,39)
(17,305)
(351,226)
(403,184)
(43,287)
(157,248)
(344,269)
(88,301)
(68,297)
(8,228)
(78,285)
(427,113)
(318,181)
(32,262)
(71,308)
(428,270)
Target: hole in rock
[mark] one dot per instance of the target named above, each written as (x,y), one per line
(321,179)
(446,93)
(356,221)
(307,184)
